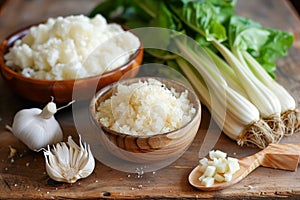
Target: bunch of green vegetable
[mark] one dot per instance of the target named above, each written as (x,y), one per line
(235,57)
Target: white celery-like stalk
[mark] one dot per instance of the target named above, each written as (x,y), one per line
(267,103)
(289,112)
(262,97)
(227,73)
(241,120)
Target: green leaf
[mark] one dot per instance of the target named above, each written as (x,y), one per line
(224,9)
(133,13)
(108,8)
(264,44)
(165,19)
(204,17)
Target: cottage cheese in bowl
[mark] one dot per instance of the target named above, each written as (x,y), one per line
(145,108)
(143,121)
(71,47)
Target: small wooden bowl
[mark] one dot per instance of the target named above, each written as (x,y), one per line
(143,149)
(41,91)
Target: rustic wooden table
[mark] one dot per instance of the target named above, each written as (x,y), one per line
(24,177)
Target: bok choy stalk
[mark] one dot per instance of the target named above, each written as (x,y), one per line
(227,73)
(262,97)
(242,121)
(290,115)
(246,35)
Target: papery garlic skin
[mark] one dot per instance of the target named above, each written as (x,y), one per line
(35,131)
(68,162)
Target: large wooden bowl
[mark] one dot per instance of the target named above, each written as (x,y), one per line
(147,148)
(41,91)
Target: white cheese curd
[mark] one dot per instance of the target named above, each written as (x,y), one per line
(145,108)
(217,168)
(71,47)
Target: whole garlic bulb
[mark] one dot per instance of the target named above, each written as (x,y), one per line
(37,128)
(68,162)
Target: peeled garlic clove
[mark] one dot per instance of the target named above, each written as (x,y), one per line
(68,162)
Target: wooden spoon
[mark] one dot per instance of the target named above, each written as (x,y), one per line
(277,156)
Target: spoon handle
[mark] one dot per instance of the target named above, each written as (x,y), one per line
(277,156)
(250,163)
(282,156)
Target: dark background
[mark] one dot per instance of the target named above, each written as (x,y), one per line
(296,4)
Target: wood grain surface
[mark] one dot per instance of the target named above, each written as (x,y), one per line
(23,176)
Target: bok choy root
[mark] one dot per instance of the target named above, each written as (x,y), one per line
(237,60)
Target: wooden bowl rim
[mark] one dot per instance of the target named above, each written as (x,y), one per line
(106,89)
(13,37)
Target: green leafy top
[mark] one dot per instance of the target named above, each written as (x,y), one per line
(264,44)
(203,20)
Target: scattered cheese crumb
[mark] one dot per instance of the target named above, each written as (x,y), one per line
(250,187)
